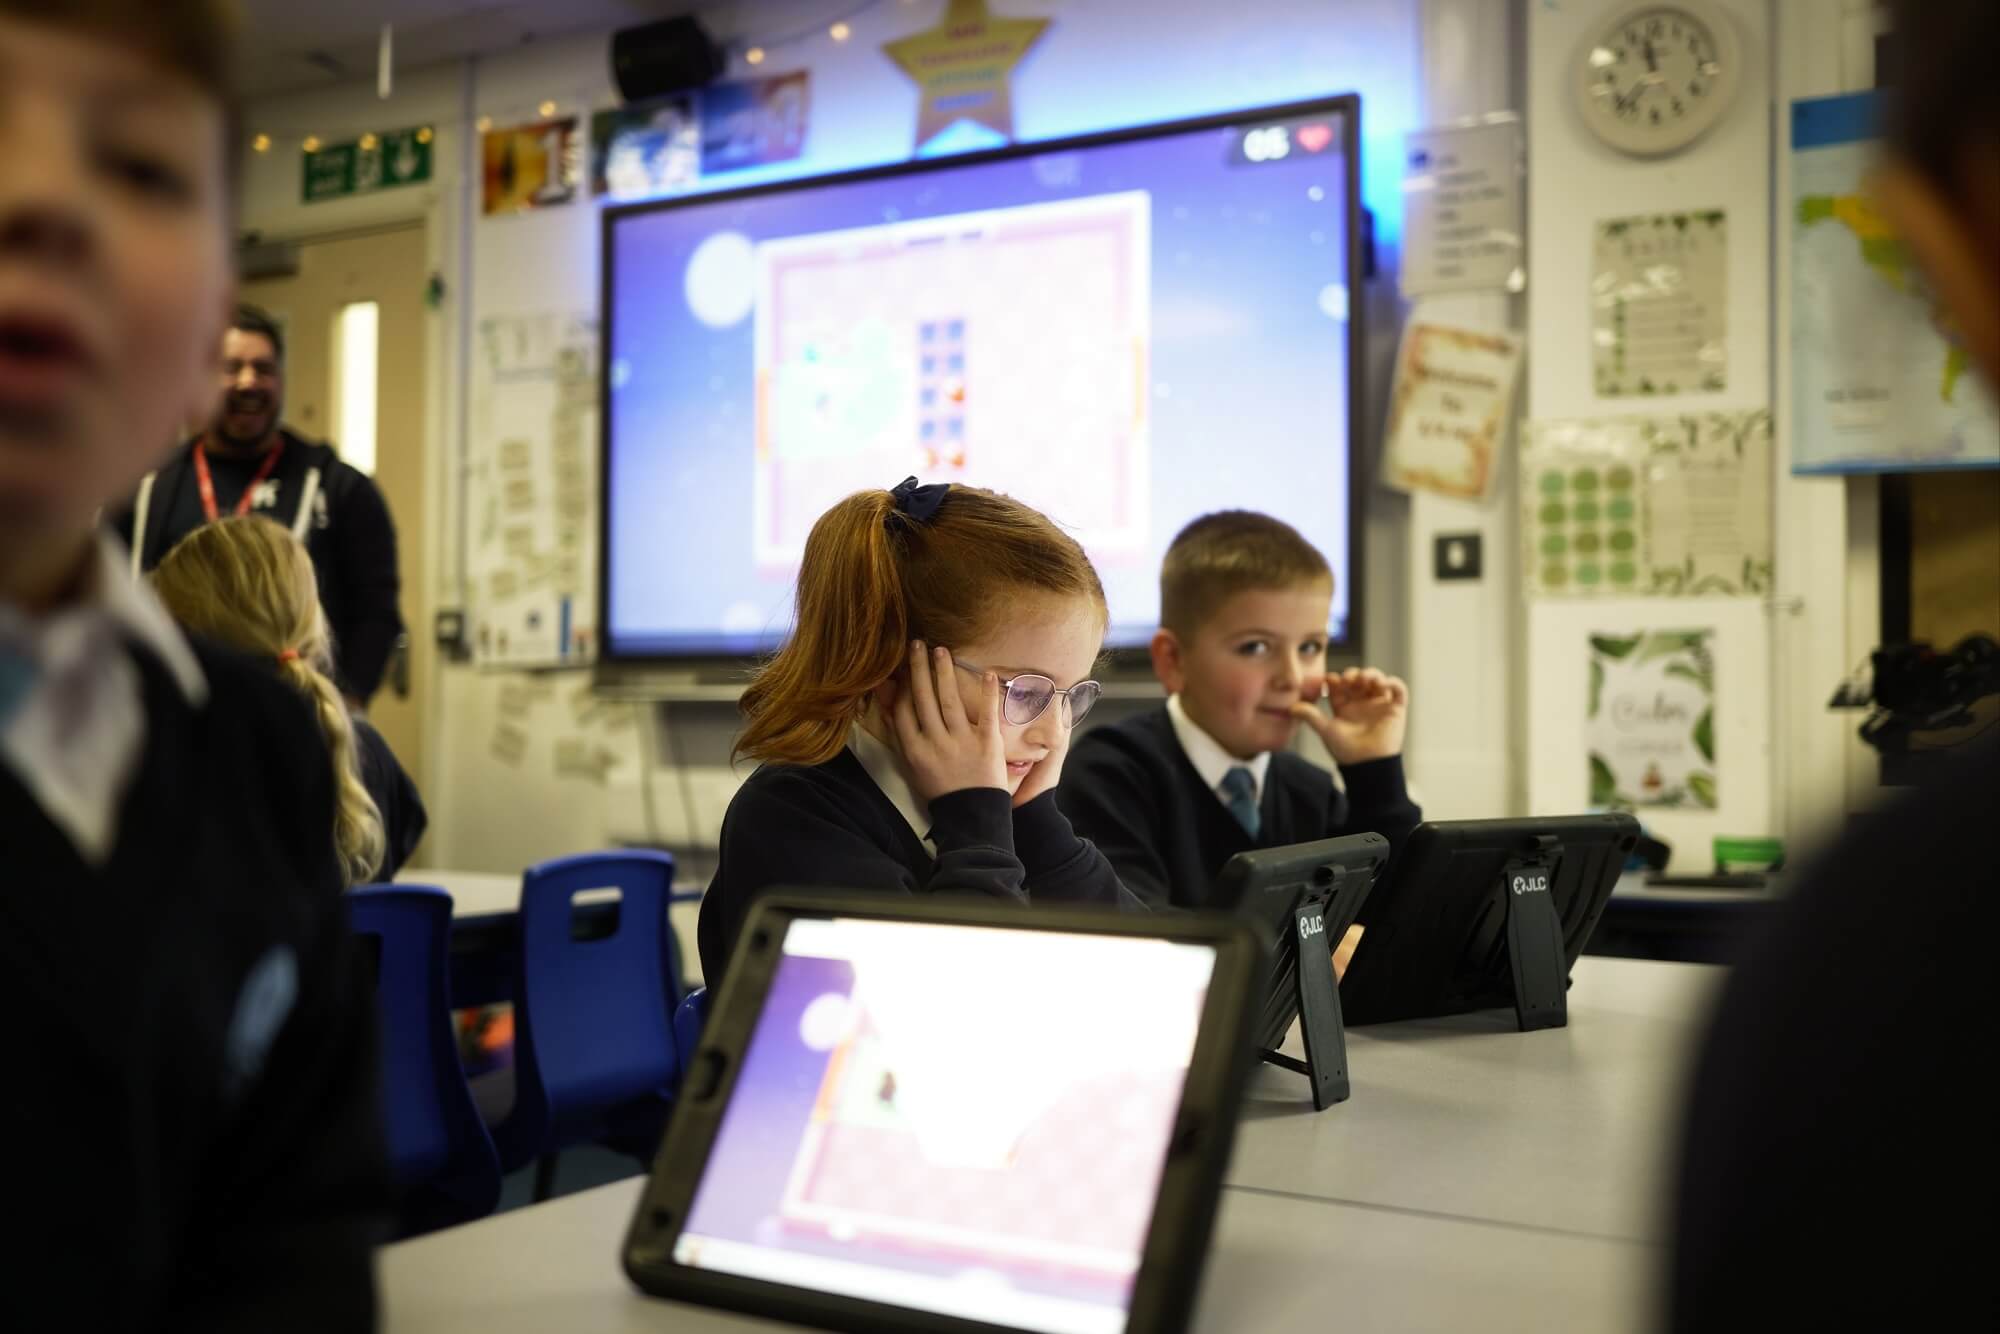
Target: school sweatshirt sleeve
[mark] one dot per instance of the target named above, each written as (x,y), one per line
(1105,795)
(789,830)
(1061,867)
(1376,802)
(365,565)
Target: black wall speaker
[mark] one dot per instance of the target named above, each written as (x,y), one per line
(665,57)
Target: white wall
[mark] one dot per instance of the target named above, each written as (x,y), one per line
(1104,63)
(1574,181)
(1464,657)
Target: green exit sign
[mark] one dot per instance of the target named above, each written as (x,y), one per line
(372,162)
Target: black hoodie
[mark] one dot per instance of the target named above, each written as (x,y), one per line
(349,533)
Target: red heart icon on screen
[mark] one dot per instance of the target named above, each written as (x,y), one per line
(1312,138)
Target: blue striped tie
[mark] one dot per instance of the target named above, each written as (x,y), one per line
(17,679)
(1240,786)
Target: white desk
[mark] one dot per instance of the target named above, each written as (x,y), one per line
(1567,1129)
(473,893)
(1274,1265)
(485,893)
(1479,1177)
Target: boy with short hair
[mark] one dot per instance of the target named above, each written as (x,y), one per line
(1170,795)
(192,1093)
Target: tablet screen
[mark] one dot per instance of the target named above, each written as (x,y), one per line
(963,1120)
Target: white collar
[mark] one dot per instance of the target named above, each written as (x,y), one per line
(887,771)
(75,739)
(135,609)
(130,606)
(1209,758)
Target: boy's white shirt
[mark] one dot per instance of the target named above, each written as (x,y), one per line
(1208,757)
(75,739)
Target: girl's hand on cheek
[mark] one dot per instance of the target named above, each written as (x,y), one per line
(942,746)
(1048,772)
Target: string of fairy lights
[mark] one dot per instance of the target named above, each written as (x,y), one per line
(750,51)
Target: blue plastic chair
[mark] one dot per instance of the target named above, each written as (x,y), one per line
(690,1017)
(444,1162)
(594,1053)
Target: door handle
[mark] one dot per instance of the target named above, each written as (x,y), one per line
(399,666)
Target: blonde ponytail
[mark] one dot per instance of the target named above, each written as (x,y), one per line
(248,583)
(357,826)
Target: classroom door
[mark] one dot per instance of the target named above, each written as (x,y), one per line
(385,267)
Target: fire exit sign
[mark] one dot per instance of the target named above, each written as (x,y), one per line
(372,162)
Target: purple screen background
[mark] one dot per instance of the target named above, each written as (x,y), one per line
(743,1182)
(1255,371)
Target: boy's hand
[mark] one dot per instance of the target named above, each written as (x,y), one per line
(1343,953)
(1048,771)
(1369,713)
(944,748)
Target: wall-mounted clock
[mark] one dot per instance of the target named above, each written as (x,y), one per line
(1653,78)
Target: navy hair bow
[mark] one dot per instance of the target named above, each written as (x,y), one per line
(918,503)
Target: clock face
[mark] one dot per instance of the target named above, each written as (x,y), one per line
(1658,77)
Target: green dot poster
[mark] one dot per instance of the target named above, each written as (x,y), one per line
(1585,517)
(1647,506)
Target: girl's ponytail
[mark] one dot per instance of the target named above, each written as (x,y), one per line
(358,835)
(851,631)
(248,583)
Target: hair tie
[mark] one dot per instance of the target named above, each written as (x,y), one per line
(919,504)
(286,655)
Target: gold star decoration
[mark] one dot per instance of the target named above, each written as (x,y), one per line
(962,67)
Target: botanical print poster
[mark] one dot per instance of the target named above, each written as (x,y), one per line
(1651,720)
(1659,304)
(1648,506)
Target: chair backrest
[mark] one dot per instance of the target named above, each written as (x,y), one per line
(689,1019)
(593,1011)
(435,1135)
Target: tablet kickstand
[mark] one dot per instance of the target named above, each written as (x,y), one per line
(1535,938)
(1325,1065)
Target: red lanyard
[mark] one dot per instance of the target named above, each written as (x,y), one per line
(249,492)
